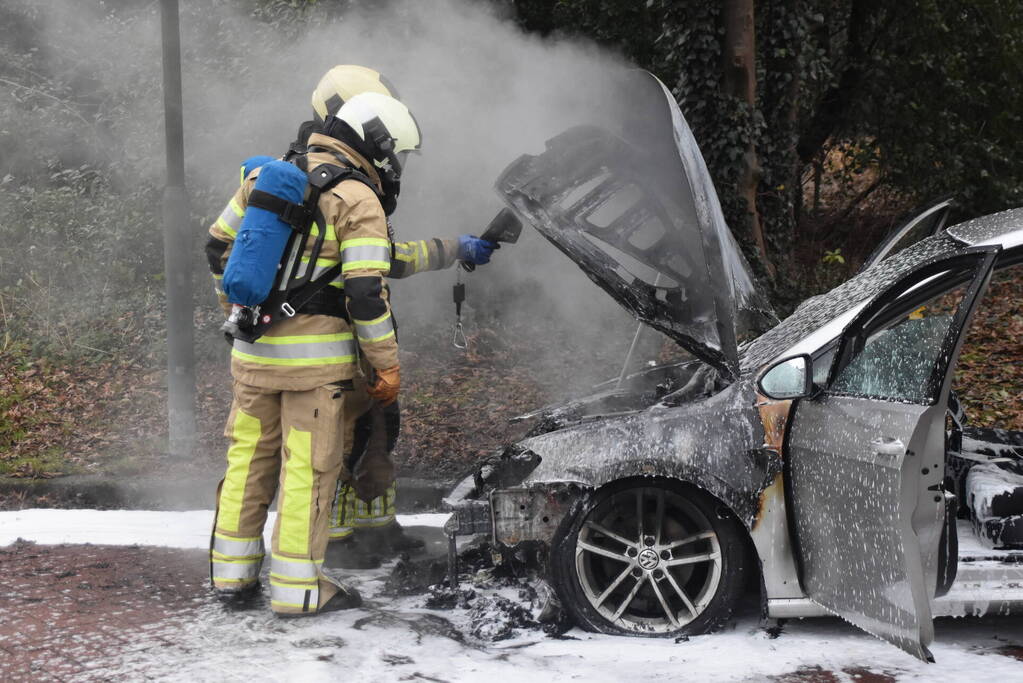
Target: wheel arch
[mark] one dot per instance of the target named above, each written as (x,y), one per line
(724,509)
(717,510)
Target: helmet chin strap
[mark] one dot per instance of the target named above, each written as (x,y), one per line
(376,144)
(377,134)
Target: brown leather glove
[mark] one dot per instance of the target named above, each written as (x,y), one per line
(385,388)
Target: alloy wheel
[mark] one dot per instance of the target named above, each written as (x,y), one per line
(648,560)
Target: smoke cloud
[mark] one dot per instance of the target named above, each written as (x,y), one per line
(483,91)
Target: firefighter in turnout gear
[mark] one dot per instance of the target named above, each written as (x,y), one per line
(296,387)
(365,502)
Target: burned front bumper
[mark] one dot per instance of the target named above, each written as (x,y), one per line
(512,515)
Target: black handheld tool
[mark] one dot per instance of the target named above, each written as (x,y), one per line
(504,227)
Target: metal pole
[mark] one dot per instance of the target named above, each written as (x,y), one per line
(635,343)
(628,356)
(177,251)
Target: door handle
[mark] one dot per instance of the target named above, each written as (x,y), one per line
(888,446)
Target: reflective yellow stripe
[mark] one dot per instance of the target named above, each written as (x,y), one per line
(243,539)
(384,266)
(222,224)
(294,579)
(217,557)
(323,262)
(405,253)
(238,211)
(426,255)
(298,350)
(307,338)
(330,236)
(297,500)
(245,436)
(366,242)
(294,362)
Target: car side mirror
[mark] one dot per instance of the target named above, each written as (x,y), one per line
(788,379)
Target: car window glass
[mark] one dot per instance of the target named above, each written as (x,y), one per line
(822,365)
(898,358)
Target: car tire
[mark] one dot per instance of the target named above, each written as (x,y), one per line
(700,594)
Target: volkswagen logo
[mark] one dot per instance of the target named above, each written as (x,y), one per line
(648,559)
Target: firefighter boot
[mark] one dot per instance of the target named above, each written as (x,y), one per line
(238,597)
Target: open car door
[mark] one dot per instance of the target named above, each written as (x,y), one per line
(922,224)
(865,456)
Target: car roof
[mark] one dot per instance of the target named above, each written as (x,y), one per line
(1004,228)
(826,315)
(820,311)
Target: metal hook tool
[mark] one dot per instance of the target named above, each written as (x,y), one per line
(458,339)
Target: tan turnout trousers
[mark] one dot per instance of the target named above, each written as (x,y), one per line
(364,498)
(296,437)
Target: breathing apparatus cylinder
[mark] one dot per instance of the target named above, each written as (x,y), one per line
(262,237)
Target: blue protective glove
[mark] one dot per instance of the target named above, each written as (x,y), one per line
(474,250)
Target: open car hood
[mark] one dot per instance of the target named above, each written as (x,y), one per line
(632,203)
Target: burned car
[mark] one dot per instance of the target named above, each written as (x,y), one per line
(825,459)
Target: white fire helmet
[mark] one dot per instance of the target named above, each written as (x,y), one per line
(385,125)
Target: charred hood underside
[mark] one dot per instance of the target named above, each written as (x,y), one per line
(636,210)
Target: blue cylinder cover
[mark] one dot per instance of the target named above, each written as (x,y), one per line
(262,237)
(252,163)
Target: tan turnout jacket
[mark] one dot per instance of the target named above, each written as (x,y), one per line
(307,351)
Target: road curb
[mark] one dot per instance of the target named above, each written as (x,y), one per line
(153,493)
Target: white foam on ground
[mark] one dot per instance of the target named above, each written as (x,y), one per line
(134,527)
(385,641)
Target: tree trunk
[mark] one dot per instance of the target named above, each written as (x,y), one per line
(739,81)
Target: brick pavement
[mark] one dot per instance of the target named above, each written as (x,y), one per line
(79,612)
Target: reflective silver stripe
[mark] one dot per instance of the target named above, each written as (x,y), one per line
(263,348)
(289,595)
(337,532)
(375,330)
(423,262)
(231,218)
(235,571)
(365,254)
(293,569)
(336,282)
(237,547)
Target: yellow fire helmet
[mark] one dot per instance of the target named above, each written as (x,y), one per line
(386,127)
(342,83)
